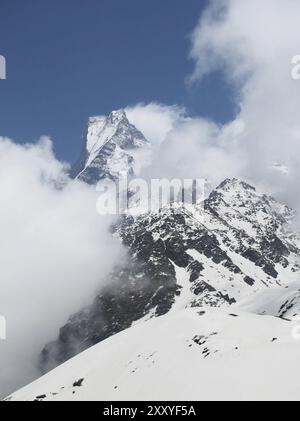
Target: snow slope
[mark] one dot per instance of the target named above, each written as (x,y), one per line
(189,354)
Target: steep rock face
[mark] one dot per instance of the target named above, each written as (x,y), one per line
(107,151)
(214,255)
(256,227)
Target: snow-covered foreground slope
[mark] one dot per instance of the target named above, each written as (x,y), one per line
(188,354)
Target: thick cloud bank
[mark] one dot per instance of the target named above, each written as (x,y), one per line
(55,252)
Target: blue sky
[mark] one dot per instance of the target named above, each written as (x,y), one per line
(69,59)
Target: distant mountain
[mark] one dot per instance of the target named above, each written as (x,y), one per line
(108,149)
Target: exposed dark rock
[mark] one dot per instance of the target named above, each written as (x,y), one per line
(78,383)
(249,280)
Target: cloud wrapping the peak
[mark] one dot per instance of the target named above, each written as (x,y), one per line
(156,120)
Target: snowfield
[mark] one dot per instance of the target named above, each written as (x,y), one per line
(192,354)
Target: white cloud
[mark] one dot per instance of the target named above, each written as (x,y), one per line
(195,149)
(55,253)
(253,42)
(156,120)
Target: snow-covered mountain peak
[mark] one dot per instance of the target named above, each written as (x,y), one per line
(117,116)
(109,147)
(230,184)
(116,128)
(240,201)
